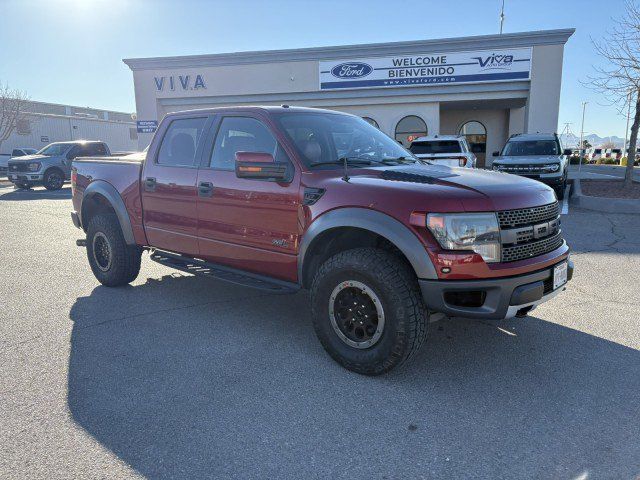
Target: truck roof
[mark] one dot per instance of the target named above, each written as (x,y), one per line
(523,137)
(257,108)
(435,138)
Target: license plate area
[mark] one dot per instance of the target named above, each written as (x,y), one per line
(560,275)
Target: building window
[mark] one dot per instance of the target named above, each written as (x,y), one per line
(371,121)
(410,128)
(476,136)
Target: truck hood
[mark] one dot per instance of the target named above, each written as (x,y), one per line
(528,160)
(30,158)
(439,188)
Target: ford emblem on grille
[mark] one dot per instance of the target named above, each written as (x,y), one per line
(351,70)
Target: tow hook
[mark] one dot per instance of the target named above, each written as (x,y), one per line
(81,242)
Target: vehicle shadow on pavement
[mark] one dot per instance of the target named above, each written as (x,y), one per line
(187,377)
(9,194)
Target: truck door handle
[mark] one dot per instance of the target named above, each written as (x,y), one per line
(205,189)
(150,184)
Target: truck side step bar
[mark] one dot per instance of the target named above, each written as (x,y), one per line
(220,272)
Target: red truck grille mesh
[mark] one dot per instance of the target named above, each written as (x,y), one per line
(528,216)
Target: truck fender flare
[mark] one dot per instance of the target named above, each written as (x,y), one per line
(384,225)
(108,191)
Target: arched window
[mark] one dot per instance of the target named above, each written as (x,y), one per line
(476,136)
(410,128)
(371,121)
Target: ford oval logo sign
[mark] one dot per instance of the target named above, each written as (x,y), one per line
(351,70)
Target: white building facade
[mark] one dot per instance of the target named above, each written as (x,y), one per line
(484,87)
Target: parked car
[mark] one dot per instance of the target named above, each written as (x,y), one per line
(16,152)
(595,155)
(51,166)
(451,150)
(260,196)
(538,156)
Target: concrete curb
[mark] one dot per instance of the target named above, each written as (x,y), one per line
(602,204)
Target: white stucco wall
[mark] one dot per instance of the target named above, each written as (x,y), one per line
(544,93)
(292,77)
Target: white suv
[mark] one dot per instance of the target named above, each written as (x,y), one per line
(451,150)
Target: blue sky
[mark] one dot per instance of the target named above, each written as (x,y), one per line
(71,51)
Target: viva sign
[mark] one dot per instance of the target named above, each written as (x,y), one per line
(182,82)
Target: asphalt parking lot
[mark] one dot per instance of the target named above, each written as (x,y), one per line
(178,376)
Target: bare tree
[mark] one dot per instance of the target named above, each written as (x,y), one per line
(619,80)
(12,110)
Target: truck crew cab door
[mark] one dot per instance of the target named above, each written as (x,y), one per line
(168,186)
(244,223)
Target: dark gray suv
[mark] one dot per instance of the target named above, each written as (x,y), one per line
(539,156)
(51,166)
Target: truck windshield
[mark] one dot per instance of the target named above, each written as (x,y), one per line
(437,146)
(55,149)
(323,138)
(531,147)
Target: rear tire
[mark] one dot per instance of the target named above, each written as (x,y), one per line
(375,287)
(113,262)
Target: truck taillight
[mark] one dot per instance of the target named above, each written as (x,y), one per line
(462,161)
(74,177)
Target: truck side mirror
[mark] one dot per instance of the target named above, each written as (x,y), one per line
(496,154)
(259,166)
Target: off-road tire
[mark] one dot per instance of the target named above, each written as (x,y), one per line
(53,180)
(560,190)
(395,284)
(124,264)
(22,186)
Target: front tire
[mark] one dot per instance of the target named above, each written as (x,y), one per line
(113,262)
(53,180)
(367,310)
(560,190)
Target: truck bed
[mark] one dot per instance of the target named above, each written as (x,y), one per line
(123,173)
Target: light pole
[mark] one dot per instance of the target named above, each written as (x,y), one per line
(584,106)
(501,17)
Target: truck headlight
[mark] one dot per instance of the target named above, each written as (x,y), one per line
(478,232)
(34,167)
(551,167)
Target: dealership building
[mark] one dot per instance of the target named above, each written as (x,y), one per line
(484,87)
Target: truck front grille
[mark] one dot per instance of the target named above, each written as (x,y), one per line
(18,167)
(528,216)
(529,232)
(532,249)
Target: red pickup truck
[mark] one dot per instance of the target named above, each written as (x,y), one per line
(284,198)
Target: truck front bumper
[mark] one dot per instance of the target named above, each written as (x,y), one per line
(494,299)
(25,177)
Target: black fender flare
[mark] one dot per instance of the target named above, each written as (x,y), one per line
(384,225)
(108,191)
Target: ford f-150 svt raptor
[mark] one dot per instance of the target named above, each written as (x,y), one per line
(282,198)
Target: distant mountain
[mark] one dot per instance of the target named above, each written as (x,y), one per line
(572,140)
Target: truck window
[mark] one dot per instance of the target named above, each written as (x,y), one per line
(96,150)
(180,142)
(240,134)
(438,146)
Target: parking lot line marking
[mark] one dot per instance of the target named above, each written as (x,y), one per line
(565,202)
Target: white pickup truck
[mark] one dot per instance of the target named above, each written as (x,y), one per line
(451,150)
